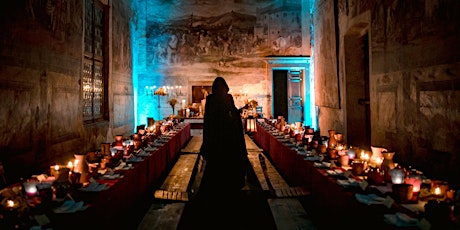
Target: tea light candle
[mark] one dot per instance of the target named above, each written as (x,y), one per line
(437,191)
(439,188)
(351,154)
(415,181)
(397,176)
(30,187)
(9,203)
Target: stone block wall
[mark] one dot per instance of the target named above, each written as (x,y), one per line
(413,77)
(41,64)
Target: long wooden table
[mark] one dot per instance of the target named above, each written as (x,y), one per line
(117,206)
(332,204)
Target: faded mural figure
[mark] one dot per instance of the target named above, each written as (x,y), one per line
(172,49)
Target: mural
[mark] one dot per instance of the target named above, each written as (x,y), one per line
(227,36)
(195,40)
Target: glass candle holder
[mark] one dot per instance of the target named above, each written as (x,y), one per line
(415,181)
(438,188)
(30,188)
(397,176)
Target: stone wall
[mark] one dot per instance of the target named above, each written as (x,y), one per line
(413,75)
(41,53)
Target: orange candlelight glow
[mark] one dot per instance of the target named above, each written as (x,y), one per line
(10,203)
(365,156)
(437,191)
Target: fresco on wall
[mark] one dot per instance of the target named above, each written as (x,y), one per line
(219,36)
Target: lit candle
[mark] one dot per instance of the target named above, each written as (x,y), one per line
(437,191)
(75,165)
(30,187)
(397,176)
(70,165)
(351,154)
(415,181)
(10,203)
(113,151)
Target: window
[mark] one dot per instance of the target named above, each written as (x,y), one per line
(94,82)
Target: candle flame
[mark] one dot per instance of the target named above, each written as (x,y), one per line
(70,164)
(56,167)
(437,191)
(10,203)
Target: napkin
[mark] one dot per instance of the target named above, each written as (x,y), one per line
(369,198)
(94,187)
(350,182)
(143,153)
(134,159)
(312,158)
(123,166)
(322,164)
(400,220)
(70,206)
(150,148)
(111,176)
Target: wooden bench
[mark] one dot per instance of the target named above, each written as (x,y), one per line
(178,188)
(194,145)
(183,179)
(162,217)
(286,209)
(289,213)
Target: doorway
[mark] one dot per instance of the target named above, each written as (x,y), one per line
(280,106)
(288,95)
(357,89)
(291,87)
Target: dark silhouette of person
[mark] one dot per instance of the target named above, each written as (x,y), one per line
(220,202)
(224,150)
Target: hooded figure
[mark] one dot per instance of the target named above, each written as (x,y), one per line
(223,147)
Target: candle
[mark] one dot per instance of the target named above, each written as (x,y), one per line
(30,187)
(10,203)
(439,188)
(70,165)
(415,181)
(437,191)
(397,176)
(351,154)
